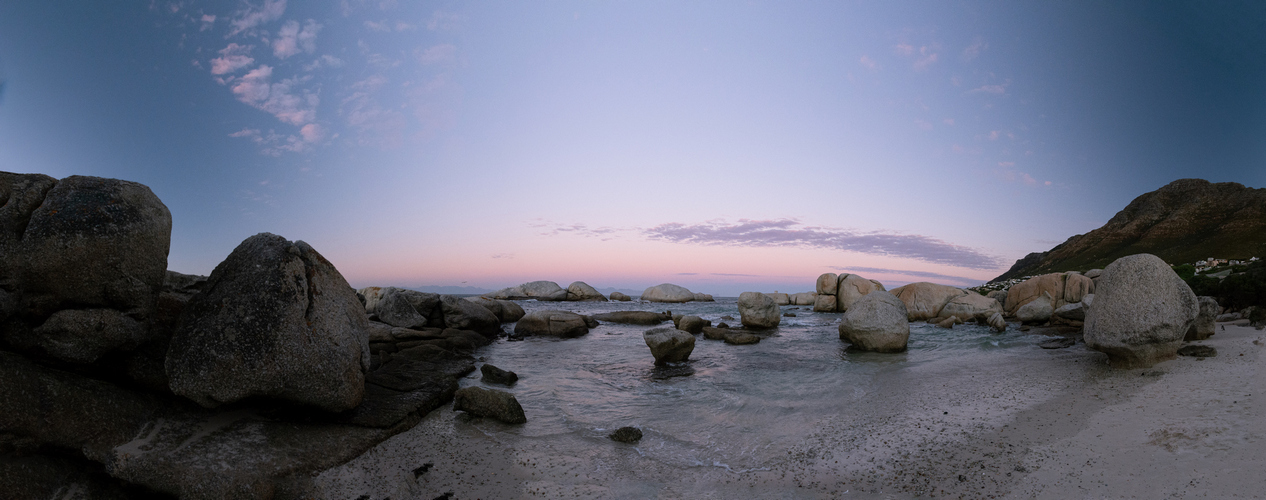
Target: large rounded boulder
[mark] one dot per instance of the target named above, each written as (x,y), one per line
(669,345)
(876,322)
(582,292)
(466,315)
(925,300)
(1060,288)
(1141,312)
(851,288)
(971,306)
(827,283)
(552,323)
(1038,310)
(667,292)
(277,320)
(758,310)
(82,262)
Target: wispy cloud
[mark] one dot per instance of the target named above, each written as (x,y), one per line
(438,54)
(789,232)
(208,22)
(904,272)
(278,98)
(232,58)
(252,16)
(736,274)
(291,39)
(972,51)
(868,62)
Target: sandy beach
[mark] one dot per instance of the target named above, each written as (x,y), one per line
(1065,427)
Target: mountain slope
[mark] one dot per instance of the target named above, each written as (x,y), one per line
(1184,221)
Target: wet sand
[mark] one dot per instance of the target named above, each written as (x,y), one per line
(1059,425)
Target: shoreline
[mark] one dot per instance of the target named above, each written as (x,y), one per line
(1068,427)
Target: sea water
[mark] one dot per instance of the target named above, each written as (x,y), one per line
(729,406)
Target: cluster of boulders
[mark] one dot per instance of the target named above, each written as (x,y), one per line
(241,384)
(549,291)
(793,299)
(836,293)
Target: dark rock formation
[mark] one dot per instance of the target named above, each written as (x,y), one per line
(494,375)
(645,318)
(489,403)
(626,435)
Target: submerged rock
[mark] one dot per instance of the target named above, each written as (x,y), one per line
(693,324)
(626,435)
(494,375)
(489,403)
(645,318)
(620,297)
(551,323)
(741,338)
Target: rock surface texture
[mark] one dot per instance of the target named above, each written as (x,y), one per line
(925,300)
(667,292)
(669,345)
(876,322)
(1202,327)
(758,310)
(489,403)
(582,292)
(1141,312)
(552,323)
(275,320)
(851,288)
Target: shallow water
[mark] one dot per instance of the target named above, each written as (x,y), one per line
(736,407)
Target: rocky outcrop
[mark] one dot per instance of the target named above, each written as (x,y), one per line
(803,298)
(851,288)
(1075,312)
(506,311)
(82,261)
(544,291)
(780,298)
(400,307)
(998,295)
(582,292)
(1202,326)
(759,311)
(824,303)
(827,284)
(692,324)
(489,403)
(1141,312)
(1060,288)
(1036,311)
(876,322)
(925,300)
(740,338)
(494,375)
(1184,221)
(551,323)
(626,435)
(971,306)
(275,320)
(620,297)
(669,345)
(645,318)
(997,322)
(667,292)
(703,297)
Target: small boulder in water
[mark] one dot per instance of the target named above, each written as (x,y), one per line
(669,345)
(494,375)
(626,435)
(693,324)
(741,339)
(490,403)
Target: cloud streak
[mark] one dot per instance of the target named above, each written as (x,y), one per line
(789,232)
(904,272)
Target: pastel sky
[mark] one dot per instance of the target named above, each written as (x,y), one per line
(723,146)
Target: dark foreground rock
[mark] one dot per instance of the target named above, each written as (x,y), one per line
(276,320)
(494,375)
(669,345)
(626,435)
(489,403)
(551,323)
(644,318)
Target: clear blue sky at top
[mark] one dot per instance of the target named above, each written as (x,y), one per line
(457,131)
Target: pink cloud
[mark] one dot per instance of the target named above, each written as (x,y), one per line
(253,88)
(904,49)
(208,22)
(948,121)
(291,39)
(438,54)
(926,58)
(232,58)
(251,17)
(923,125)
(974,50)
(312,132)
(868,62)
(276,98)
(1006,164)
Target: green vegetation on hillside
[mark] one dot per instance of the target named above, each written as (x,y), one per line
(1235,292)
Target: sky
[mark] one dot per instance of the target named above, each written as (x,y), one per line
(722,146)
